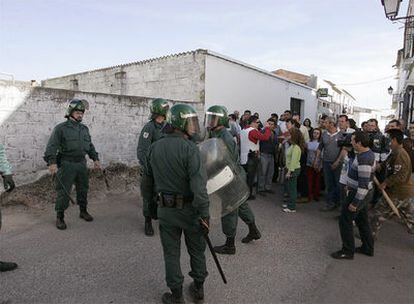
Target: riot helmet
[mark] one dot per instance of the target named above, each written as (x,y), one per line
(216,116)
(76,105)
(159,107)
(183,117)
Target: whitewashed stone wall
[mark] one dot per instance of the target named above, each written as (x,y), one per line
(29,114)
(176,77)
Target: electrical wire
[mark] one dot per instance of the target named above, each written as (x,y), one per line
(366,82)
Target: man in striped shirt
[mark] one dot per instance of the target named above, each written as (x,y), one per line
(359,193)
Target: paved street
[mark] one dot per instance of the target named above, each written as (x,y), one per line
(111,261)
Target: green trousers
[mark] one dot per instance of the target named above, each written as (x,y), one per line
(229,221)
(174,222)
(71,173)
(145,204)
(292,185)
(382,211)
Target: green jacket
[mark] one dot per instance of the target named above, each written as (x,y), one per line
(174,166)
(150,133)
(70,139)
(5,167)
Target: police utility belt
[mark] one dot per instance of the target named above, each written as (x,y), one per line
(74,159)
(174,200)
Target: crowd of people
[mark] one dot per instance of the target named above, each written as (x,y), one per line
(320,155)
(358,168)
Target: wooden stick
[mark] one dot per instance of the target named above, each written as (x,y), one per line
(387,198)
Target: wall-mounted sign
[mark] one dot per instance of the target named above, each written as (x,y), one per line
(322,92)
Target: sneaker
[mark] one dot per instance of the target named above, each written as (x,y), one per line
(284,206)
(340,255)
(262,193)
(287,210)
(364,251)
(270,191)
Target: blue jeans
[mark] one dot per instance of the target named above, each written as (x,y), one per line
(267,166)
(332,184)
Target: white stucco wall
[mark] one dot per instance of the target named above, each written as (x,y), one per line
(176,77)
(239,88)
(28,116)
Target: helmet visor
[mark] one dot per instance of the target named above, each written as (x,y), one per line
(192,126)
(212,121)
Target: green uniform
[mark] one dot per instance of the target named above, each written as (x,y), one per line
(150,133)
(174,168)
(400,188)
(5,167)
(229,221)
(69,143)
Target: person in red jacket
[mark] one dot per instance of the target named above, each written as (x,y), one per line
(250,138)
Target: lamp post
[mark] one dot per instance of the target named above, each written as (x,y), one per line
(391,8)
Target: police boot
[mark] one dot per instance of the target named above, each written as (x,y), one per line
(60,222)
(7,266)
(85,215)
(227,248)
(254,234)
(149,231)
(197,292)
(173,297)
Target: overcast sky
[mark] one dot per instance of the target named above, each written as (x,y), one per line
(348,42)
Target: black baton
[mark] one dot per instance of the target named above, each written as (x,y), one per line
(213,253)
(64,189)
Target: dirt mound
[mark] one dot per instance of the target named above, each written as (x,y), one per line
(116,178)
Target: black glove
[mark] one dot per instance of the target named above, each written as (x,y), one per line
(8,183)
(205,224)
(153,207)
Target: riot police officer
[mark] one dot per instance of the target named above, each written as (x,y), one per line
(150,133)
(6,174)
(379,144)
(65,155)
(174,170)
(217,122)
(398,185)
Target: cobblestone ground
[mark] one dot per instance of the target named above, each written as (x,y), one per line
(111,261)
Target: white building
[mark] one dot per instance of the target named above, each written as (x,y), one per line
(198,76)
(383,116)
(403,95)
(332,99)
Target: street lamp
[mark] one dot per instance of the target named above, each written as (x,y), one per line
(391,8)
(390,90)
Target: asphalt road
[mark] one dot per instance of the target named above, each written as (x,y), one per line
(111,261)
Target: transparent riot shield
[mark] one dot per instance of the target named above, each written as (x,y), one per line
(226,185)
